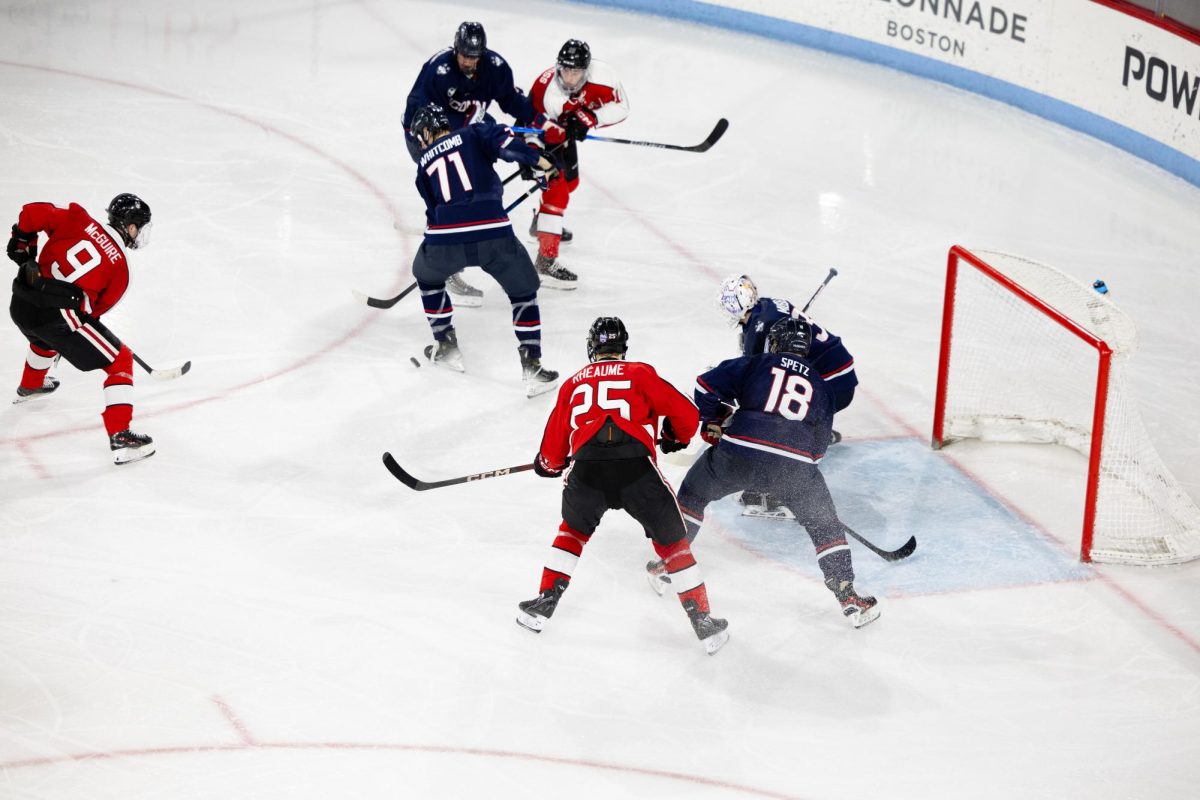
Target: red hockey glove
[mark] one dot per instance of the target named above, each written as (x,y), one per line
(667,442)
(580,123)
(542,467)
(22,246)
(554,134)
(711,431)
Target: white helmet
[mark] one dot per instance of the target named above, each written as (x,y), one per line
(738,295)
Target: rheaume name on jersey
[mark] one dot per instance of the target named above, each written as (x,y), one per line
(784,407)
(464,198)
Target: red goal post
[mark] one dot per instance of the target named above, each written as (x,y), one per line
(1030,354)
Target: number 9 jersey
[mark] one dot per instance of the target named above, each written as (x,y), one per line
(628,394)
(80,251)
(784,407)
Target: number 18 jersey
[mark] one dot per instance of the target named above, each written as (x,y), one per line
(630,393)
(784,407)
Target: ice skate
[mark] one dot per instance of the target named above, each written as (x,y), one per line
(763,505)
(709,630)
(538,379)
(465,295)
(445,352)
(128,446)
(532,614)
(566,238)
(48,386)
(858,609)
(656,574)
(554,275)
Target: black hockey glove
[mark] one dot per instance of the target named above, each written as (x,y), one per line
(542,468)
(22,247)
(580,124)
(667,441)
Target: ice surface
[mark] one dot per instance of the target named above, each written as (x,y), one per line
(260,610)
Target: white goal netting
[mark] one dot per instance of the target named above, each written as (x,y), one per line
(1015,374)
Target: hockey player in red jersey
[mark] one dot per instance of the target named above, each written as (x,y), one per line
(60,294)
(603,427)
(573,97)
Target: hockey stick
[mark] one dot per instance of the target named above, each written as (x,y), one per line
(717,132)
(163,374)
(408,480)
(375,302)
(904,551)
(832,274)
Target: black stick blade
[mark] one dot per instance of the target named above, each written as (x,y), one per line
(717,132)
(399,474)
(902,552)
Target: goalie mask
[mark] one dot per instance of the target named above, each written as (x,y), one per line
(607,337)
(738,296)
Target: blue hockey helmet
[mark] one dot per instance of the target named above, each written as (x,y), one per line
(792,335)
(429,119)
(470,40)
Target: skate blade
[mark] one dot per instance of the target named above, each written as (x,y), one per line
(531,622)
(452,364)
(549,282)
(128,455)
(659,583)
(466,300)
(862,618)
(534,388)
(715,642)
(776,514)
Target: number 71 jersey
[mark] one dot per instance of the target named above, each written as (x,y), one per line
(784,407)
(630,393)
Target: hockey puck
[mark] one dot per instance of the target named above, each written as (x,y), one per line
(414,361)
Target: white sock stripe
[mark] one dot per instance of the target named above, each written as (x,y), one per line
(439,316)
(549,223)
(527,328)
(104,345)
(36,361)
(562,561)
(119,394)
(686,579)
(832,550)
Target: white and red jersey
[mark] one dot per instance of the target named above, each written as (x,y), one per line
(80,251)
(630,393)
(602,94)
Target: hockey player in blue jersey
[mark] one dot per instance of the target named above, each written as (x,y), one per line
(773,443)
(466,225)
(754,316)
(464,80)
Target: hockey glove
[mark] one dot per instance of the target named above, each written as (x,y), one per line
(554,134)
(542,467)
(580,123)
(710,431)
(22,247)
(667,441)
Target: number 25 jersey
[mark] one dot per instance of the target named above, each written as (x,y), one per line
(630,393)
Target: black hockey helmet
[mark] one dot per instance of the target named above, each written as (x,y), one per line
(607,336)
(429,118)
(470,41)
(128,209)
(791,335)
(575,54)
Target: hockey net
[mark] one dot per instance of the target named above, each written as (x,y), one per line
(1030,354)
